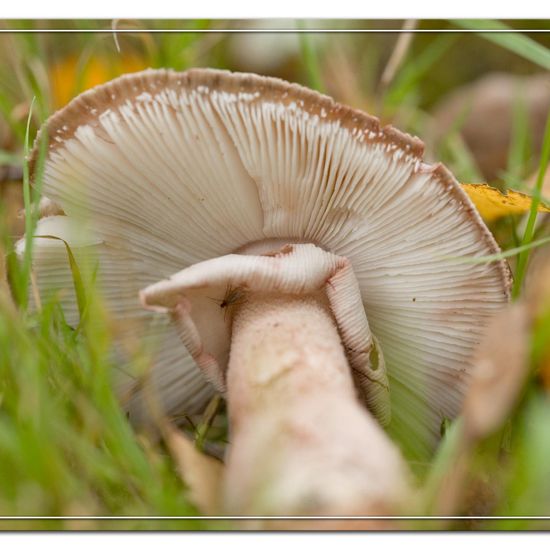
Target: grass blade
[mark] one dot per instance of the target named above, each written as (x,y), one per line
(399,53)
(530,227)
(513,41)
(78,282)
(519,142)
(501,255)
(27,258)
(30,202)
(412,73)
(310,60)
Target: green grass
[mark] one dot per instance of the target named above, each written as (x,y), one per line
(31,213)
(530,226)
(66,447)
(310,59)
(520,145)
(414,69)
(516,42)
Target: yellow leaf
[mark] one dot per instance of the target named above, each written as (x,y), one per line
(200,472)
(68,79)
(493,204)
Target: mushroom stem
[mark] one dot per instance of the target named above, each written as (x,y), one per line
(301,442)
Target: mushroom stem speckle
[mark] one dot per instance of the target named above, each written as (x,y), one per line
(301,441)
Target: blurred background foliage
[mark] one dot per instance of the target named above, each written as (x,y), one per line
(480,102)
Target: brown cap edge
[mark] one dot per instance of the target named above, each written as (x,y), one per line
(85,108)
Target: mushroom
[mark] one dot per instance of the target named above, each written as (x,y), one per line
(299,250)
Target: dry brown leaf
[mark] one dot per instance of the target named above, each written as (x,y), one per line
(500,369)
(6,299)
(11,197)
(492,204)
(200,472)
(537,293)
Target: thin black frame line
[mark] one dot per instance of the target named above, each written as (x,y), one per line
(273,31)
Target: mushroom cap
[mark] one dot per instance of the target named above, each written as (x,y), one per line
(172,169)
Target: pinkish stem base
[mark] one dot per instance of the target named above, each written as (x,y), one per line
(301,442)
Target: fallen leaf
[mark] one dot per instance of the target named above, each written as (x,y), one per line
(200,472)
(501,366)
(492,204)
(6,300)
(11,198)
(537,292)
(69,79)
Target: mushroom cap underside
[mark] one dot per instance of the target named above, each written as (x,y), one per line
(175,168)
